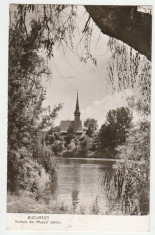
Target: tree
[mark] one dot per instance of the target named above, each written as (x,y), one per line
(70,134)
(54,25)
(116,128)
(83,149)
(128,183)
(54,140)
(53,135)
(124,23)
(57,24)
(27,118)
(90,126)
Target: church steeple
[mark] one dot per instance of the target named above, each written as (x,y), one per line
(76,123)
(77,104)
(77,110)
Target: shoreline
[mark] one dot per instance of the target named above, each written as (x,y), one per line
(91,159)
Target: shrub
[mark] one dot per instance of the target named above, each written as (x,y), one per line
(29,174)
(129,181)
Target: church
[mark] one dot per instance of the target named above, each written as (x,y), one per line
(77,123)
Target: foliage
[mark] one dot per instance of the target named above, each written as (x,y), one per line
(70,134)
(116,128)
(27,118)
(128,183)
(57,147)
(142,103)
(52,135)
(56,25)
(129,180)
(129,69)
(83,149)
(51,25)
(90,126)
(49,18)
(78,147)
(54,140)
(29,175)
(111,134)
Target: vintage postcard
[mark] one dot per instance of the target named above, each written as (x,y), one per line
(78,141)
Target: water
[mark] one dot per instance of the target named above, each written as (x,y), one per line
(79,188)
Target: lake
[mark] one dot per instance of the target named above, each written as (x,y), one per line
(79,188)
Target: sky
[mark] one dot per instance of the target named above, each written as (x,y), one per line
(69,74)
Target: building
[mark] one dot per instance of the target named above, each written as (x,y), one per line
(76,124)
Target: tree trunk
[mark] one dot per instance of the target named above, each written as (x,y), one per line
(124,23)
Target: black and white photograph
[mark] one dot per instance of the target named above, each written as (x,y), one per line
(79,104)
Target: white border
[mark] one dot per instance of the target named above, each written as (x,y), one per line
(90,223)
(4,6)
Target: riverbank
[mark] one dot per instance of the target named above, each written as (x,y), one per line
(92,159)
(109,154)
(79,189)
(26,203)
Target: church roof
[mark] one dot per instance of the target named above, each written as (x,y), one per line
(64,125)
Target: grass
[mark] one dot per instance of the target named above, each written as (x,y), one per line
(25,203)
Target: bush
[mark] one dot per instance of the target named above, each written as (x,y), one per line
(27,174)
(128,182)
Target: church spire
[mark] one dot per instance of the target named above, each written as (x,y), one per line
(77,104)
(77,121)
(77,111)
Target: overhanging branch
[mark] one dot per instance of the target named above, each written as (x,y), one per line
(126,24)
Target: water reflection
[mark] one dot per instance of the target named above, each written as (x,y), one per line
(75,199)
(54,188)
(79,186)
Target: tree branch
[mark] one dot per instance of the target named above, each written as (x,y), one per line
(126,24)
